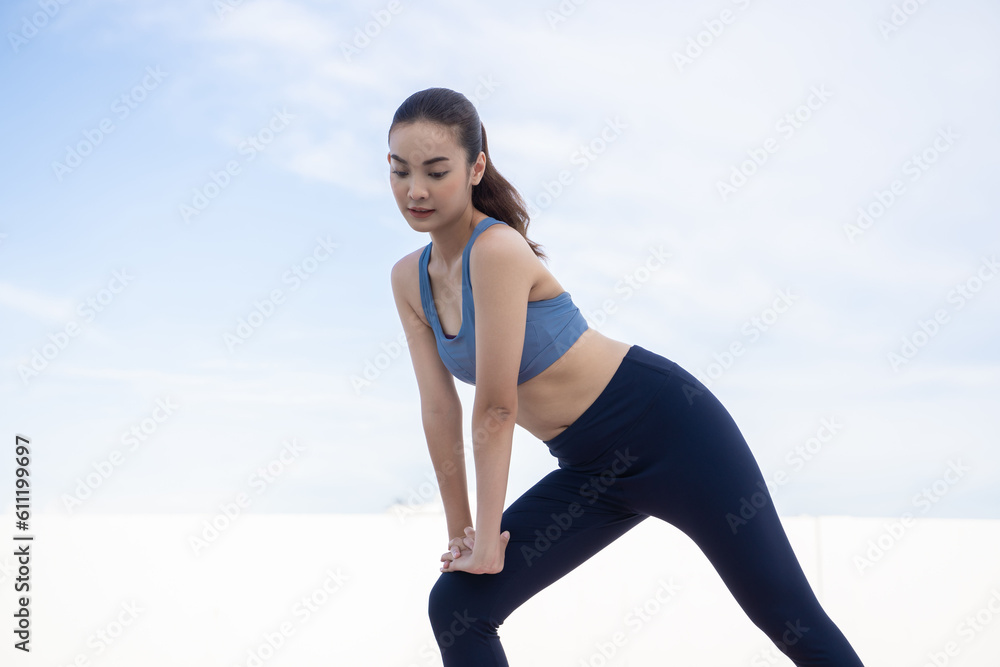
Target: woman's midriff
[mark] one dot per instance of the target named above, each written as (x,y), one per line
(552,400)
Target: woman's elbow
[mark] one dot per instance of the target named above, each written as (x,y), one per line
(495,411)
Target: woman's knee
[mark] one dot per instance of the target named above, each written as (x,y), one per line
(454,607)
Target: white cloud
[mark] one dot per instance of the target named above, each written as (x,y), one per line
(36,304)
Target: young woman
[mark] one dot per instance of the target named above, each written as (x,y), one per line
(635,434)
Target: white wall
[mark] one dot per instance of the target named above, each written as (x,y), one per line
(211,609)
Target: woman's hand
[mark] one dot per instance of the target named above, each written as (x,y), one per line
(459,546)
(462,556)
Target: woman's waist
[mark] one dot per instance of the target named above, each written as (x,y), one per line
(556,397)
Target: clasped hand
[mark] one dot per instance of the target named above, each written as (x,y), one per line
(463,557)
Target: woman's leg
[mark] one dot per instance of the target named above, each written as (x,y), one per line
(695,470)
(655,442)
(554,527)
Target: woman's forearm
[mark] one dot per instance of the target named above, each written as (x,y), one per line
(455,496)
(446,447)
(492,438)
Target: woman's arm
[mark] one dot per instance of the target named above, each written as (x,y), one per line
(443,431)
(492,436)
(502,270)
(440,406)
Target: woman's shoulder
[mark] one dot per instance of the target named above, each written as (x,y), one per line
(405,272)
(497,236)
(409,260)
(501,253)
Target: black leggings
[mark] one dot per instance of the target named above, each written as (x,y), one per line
(656,442)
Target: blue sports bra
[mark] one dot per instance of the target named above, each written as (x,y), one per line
(552,325)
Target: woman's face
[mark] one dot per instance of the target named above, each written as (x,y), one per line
(443,185)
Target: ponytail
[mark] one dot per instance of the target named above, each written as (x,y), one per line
(496,197)
(493,195)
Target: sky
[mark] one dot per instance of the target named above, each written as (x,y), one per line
(197,231)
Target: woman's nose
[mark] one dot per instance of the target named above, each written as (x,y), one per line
(417,190)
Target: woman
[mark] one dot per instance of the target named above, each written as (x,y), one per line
(635,434)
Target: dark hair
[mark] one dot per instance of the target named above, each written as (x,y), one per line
(493,195)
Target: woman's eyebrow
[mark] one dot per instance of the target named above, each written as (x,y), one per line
(431,161)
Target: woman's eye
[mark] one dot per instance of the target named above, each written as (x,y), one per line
(436,174)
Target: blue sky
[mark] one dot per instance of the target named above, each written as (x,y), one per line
(173,168)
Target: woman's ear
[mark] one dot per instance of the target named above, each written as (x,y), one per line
(479,168)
